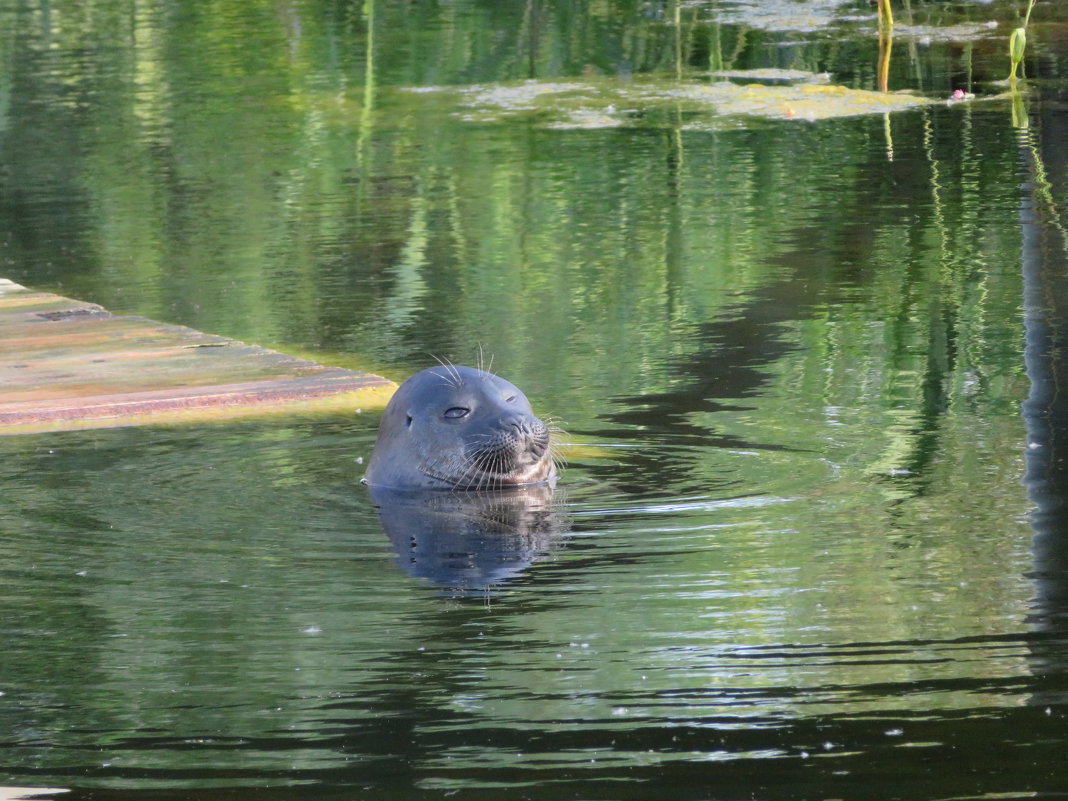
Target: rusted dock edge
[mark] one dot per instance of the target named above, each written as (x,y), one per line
(66,364)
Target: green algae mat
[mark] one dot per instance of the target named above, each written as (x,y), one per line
(726,99)
(66,364)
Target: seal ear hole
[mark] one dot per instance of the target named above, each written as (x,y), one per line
(457,412)
(409,421)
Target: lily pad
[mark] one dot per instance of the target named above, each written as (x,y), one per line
(608,103)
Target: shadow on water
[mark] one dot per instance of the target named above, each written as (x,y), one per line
(1045,272)
(963,756)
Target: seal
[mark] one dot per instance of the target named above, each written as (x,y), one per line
(453,427)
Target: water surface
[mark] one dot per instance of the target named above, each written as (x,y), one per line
(797,557)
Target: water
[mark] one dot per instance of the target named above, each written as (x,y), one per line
(810,547)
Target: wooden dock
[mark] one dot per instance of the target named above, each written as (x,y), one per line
(66,364)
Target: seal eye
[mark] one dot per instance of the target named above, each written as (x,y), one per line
(457,411)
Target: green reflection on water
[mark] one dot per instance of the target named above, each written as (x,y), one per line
(807,334)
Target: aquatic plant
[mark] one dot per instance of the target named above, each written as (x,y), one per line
(886,16)
(886,41)
(1018,42)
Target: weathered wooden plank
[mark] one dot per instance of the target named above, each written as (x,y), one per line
(66,364)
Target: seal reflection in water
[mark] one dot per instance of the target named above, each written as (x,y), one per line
(474,434)
(453,427)
(470,541)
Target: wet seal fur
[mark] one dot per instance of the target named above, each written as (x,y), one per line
(460,428)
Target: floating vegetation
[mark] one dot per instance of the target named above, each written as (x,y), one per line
(776,15)
(964,32)
(825,18)
(773,76)
(648,102)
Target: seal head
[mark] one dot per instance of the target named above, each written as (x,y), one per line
(454,427)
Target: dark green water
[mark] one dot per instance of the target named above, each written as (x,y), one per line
(822,554)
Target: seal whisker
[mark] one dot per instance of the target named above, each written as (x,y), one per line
(485,478)
(498,467)
(448,379)
(482,366)
(455,373)
(467,473)
(460,473)
(558,438)
(479,463)
(454,379)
